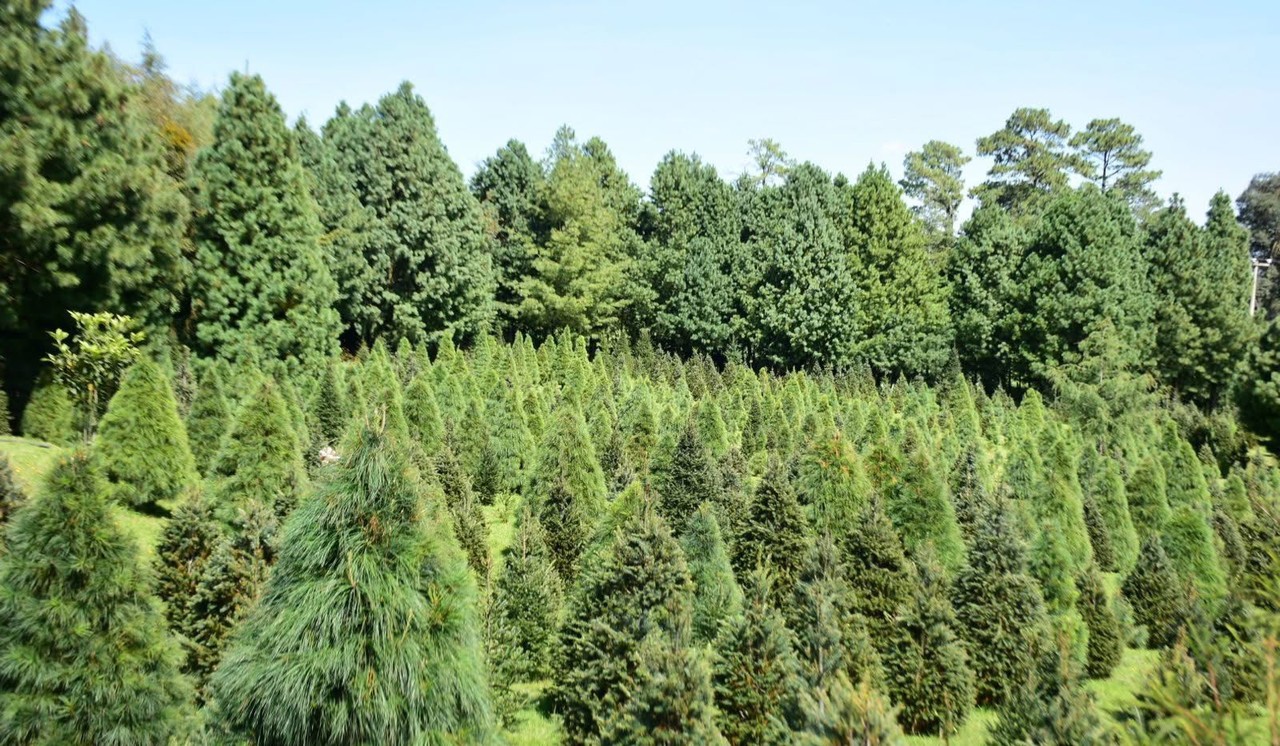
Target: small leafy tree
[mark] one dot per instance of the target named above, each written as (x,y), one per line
(90,366)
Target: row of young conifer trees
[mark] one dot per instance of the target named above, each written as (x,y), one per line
(699,555)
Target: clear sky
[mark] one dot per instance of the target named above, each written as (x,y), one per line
(838,83)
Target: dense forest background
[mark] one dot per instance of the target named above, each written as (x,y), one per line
(338,446)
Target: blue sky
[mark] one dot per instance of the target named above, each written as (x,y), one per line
(839,83)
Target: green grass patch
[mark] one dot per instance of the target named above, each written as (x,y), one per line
(972,733)
(30,459)
(1116,693)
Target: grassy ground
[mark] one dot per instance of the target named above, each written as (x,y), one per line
(30,459)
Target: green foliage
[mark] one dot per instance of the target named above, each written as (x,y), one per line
(832,482)
(525,608)
(105,345)
(716,594)
(260,287)
(926,668)
(84,655)
(260,459)
(12,496)
(776,533)
(468,520)
(1113,513)
(639,587)
(1156,594)
(687,480)
(510,186)
(1031,158)
(1050,707)
(1258,397)
(757,679)
(830,638)
(844,714)
(188,541)
(1110,155)
(91,220)
(919,505)
(933,177)
(50,414)
(316,658)
(672,703)
(141,446)
(209,419)
(567,488)
(1190,543)
(330,408)
(1147,490)
(1105,641)
(422,412)
(1000,613)
(880,575)
(984,291)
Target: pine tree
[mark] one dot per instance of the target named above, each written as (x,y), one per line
(209,419)
(639,587)
(330,408)
(903,322)
(920,507)
(12,496)
(983,292)
(84,655)
(1032,160)
(1106,644)
(833,483)
(672,703)
(716,594)
(1148,498)
(422,412)
(926,669)
(90,218)
(260,459)
(230,583)
(509,186)
(843,714)
(1059,504)
(687,480)
(1051,567)
(999,610)
(567,488)
(757,678)
(511,446)
(316,658)
(141,446)
(1156,595)
(464,507)
(881,577)
(524,613)
(1050,707)
(50,414)
(776,533)
(1112,157)
(187,542)
(1113,511)
(260,288)
(830,639)
(1189,540)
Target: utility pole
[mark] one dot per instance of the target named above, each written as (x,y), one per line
(1258,266)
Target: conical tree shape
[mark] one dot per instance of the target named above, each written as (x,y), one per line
(1051,567)
(1156,594)
(832,482)
(1190,542)
(844,714)
(757,677)
(825,626)
(776,533)
(1000,612)
(209,418)
(230,583)
(188,540)
(260,287)
(512,446)
(84,655)
(717,596)
(926,669)
(1106,643)
(880,576)
(367,630)
(672,704)
(1061,503)
(1148,499)
(921,508)
(423,414)
(141,446)
(50,414)
(687,480)
(1050,707)
(330,407)
(568,489)
(524,613)
(1112,500)
(640,585)
(261,458)
(468,520)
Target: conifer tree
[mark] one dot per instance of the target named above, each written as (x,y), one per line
(1111,499)
(776,533)
(926,669)
(209,418)
(1156,594)
(511,445)
(1148,498)
(1059,504)
(920,507)
(757,678)
(1099,535)
(187,542)
(843,714)
(84,655)
(716,594)
(141,446)
(316,658)
(229,584)
(639,587)
(1050,707)
(687,479)
(880,575)
(999,610)
(12,496)
(1190,543)
(1105,642)
(983,293)
(830,638)
(260,459)
(509,186)
(524,613)
(1051,567)
(567,488)
(260,287)
(50,414)
(422,412)
(464,507)
(91,219)
(673,702)
(832,481)
(329,406)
